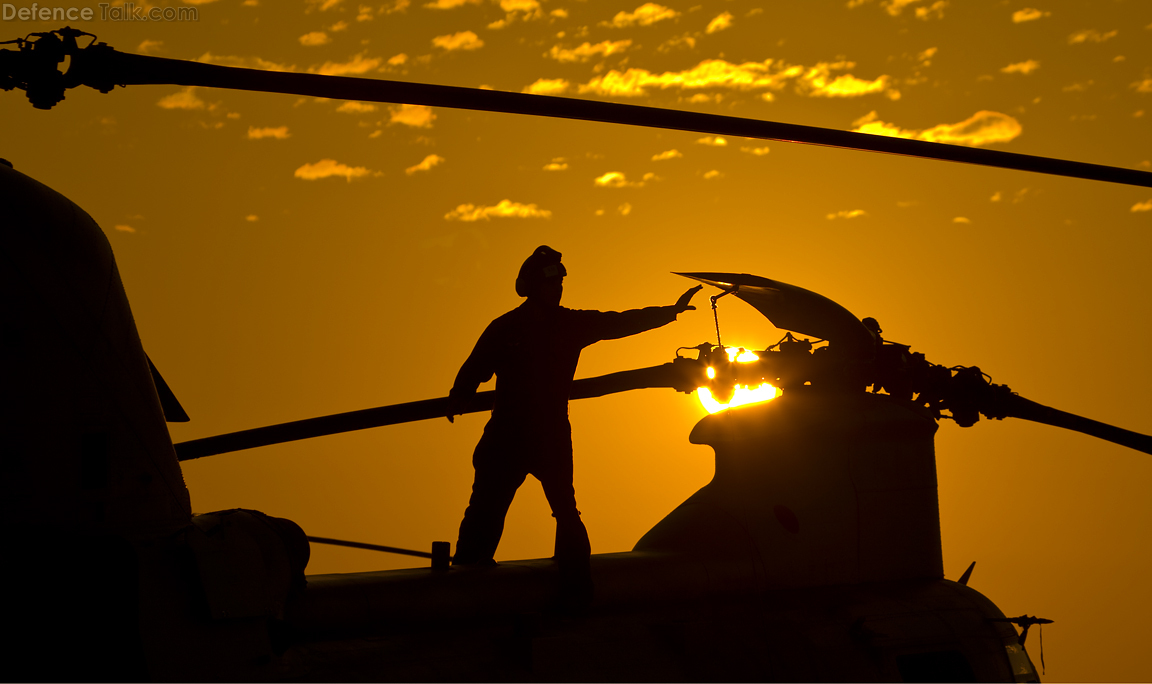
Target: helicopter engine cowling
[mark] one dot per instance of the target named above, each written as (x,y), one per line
(823,488)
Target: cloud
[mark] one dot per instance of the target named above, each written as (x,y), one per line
(624,209)
(314,38)
(450,4)
(719,23)
(1090,35)
(245,62)
(1139,206)
(341,25)
(817,82)
(324,5)
(587,51)
(185,99)
(527,6)
(846,214)
(557,164)
(426,165)
(616,179)
(1028,14)
(712,140)
(417,116)
(357,65)
(130,229)
(503,209)
(757,151)
(354,107)
(713,174)
(147,46)
(330,167)
(667,154)
(935,9)
(961,219)
(710,73)
(547,86)
(982,128)
(645,15)
(462,40)
(1021,67)
(280,132)
(252,218)
(1144,86)
(996,197)
(397,60)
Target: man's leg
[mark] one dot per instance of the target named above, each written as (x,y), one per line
(492,493)
(573,550)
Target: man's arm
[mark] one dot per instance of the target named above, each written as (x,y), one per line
(478,368)
(611,325)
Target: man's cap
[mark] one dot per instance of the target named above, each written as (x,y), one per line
(544,263)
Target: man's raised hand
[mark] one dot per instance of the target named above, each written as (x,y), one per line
(682,304)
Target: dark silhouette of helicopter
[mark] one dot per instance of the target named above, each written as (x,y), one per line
(814,554)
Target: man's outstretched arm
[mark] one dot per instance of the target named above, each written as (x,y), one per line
(611,325)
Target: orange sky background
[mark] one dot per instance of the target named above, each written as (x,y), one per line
(289,257)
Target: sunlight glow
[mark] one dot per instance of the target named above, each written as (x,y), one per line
(743,394)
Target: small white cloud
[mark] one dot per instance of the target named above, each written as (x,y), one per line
(1090,35)
(757,151)
(426,165)
(1028,14)
(450,4)
(355,107)
(1021,67)
(417,116)
(712,140)
(624,209)
(996,197)
(588,51)
(461,40)
(279,132)
(147,46)
(961,219)
(557,164)
(1144,86)
(645,15)
(359,64)
(503,209)
(1139,206)
(547,86)
(252,218)
(616,179)
(330,167)
(721,22)
(185,99)
(129,229)
(314,38)
(846,214)
(667,154)
(713,174)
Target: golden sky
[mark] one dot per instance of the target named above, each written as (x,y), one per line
(292,257)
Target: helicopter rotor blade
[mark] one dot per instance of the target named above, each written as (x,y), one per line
(674,375)
(1015,406)
(102,67)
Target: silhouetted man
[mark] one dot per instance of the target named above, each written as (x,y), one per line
(533,351)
